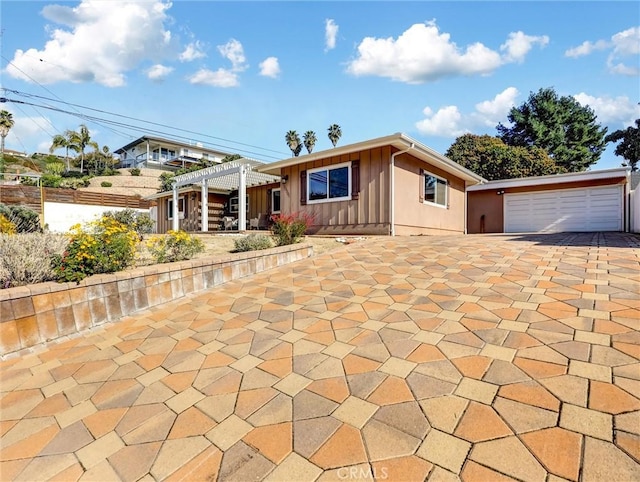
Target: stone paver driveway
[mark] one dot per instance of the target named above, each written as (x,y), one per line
(484,358)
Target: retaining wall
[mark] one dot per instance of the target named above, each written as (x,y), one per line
(35,314)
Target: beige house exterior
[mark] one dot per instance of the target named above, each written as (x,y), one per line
(390,185)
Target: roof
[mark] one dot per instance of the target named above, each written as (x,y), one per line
(616,173)
(162,140)
(222,177)
(399,141)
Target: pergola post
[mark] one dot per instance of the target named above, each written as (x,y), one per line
(204,206)
(242,198)
(176,218)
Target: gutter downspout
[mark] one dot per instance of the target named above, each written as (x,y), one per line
(392,178)
(466,221)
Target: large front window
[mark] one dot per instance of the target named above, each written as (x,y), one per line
(329,183)
(435,190)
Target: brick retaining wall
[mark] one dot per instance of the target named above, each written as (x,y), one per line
(34,314)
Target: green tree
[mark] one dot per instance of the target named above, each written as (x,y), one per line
(310,140)
(492,159)
(231,157)
(629,148)
(79,141)
(335,133)
(63,140)
(293,141)
(567,130)
(6,124)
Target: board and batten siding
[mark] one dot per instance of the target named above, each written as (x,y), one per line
(367,215)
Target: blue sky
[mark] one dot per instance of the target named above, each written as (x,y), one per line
(238,75)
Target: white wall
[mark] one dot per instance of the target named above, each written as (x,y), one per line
(635,211)
(61,216)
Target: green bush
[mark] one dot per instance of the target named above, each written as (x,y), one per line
(107,171)
(50,180)
(141,223)
(134,171)
(290,228)
(25,220)
(26,258)
(74,183)
(174,246)
(102,246)
(106,184)
(252,242)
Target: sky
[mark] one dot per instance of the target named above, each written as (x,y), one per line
(236,76)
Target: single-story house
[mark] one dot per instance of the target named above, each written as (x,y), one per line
(581,201)
(391,185)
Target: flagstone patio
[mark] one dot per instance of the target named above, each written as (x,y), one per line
(481,358)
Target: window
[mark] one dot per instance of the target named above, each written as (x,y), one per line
(181,207)
(275,201)
(435,190)
(329,183)
(233,204)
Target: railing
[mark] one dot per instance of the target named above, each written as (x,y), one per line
(155,159)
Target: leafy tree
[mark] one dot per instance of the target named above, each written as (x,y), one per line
(231,157)
(565,129)
(335,133)
(629,148)
(6,123)
(309,139)
(63,140)
(79,141)
(492,159)
(166,181)
(293,141)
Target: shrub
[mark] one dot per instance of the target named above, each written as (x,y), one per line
(134,171)
(26,258)
(141,223)
(102,246)
(107,171)
(50,180)
(25,220)
(174,246)
(106,184)
(290,228)
(74,183)
(6,226)
(252,242)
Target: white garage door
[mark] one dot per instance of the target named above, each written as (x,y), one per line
(586,209)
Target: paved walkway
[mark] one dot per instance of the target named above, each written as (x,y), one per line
(485,358)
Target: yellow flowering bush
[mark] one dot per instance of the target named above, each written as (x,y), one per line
(174,246)
(6,226)
(102,246)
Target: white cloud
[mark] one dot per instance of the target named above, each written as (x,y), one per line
(28,131)
(96,42)
(622,45)
(234,52)
(330,34)
(422,53)
(519,44)
(270,67)
(448,121)
(219,78)
(193,51)
(158,72)
(617,111)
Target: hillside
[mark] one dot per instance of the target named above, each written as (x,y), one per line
(145,184)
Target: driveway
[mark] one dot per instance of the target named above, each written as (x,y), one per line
(485,358)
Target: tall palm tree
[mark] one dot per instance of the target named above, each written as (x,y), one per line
(6,123)
(62,140)
(334,134)
(80,140)
(309,140)
(293,141)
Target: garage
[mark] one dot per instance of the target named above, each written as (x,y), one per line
(587,201)
(566,210)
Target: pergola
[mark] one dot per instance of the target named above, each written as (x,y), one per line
(229,176)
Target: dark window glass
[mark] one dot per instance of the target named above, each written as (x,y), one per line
(276,201)
(339,182)
(435,190)
(317,185)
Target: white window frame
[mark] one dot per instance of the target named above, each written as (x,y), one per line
(233,204)
(273,191)
(446,190)
(181,204)
(329,168)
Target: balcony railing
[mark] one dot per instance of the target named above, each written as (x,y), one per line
(156,160)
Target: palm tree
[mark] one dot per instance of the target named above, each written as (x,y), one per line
(62,140)
(309,140)
(6,123)
(334,134)
(293,141)
(79,142)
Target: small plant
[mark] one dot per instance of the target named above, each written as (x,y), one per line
(6,226)
(252,242)
(106,184)
(290,228)
(134,171)
(140,222)
(24,219)
(102,246)
(25,258)
(174,246)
